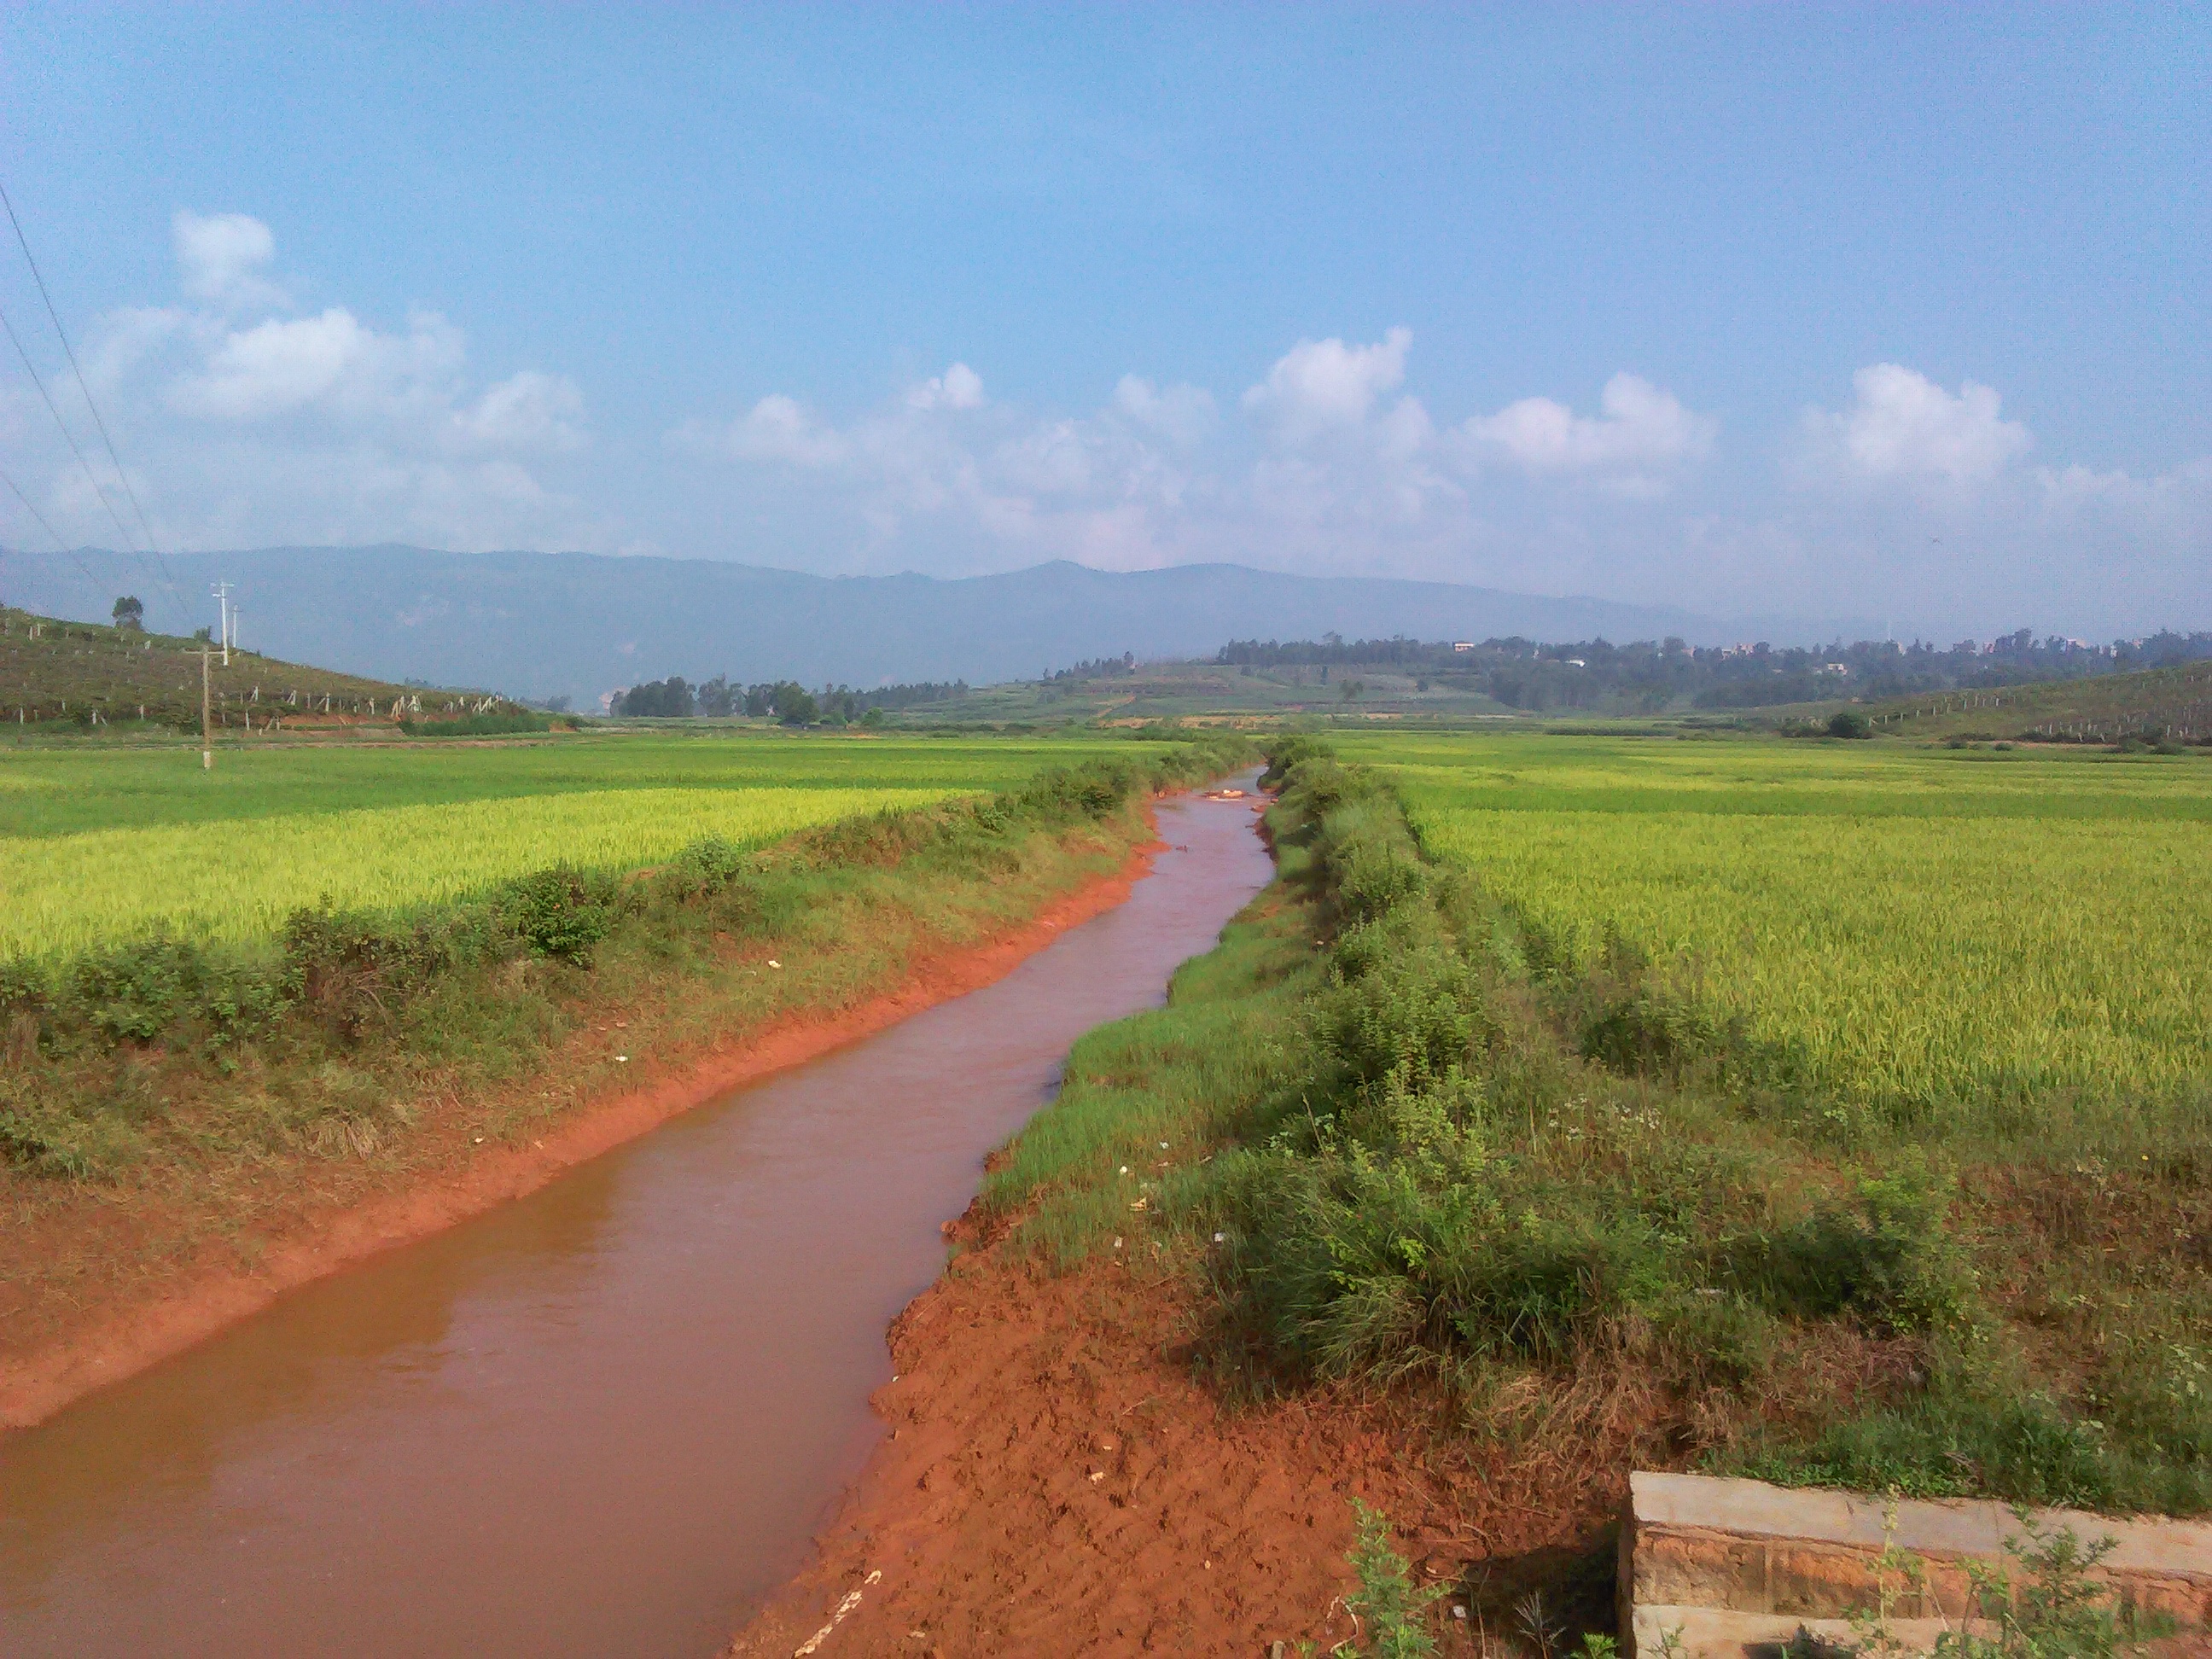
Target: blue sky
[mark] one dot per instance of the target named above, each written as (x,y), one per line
(1897,310)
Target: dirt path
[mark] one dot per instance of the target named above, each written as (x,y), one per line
(1058,1482)
(462,1176)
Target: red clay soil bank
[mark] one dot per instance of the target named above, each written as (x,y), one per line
(1057,1482)
(34,1386)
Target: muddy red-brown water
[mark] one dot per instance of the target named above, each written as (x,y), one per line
(602,1419)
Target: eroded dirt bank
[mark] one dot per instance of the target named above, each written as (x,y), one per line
(1058,1480)
(172,1303)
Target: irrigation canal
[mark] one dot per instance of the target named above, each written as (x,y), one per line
(600,1420)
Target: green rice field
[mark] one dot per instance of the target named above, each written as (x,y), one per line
(1918,925)
(101,845)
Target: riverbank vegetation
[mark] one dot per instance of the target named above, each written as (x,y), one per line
(171,1089)
(1487,1148)
(102,846)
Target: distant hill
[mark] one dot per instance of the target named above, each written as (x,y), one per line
(87,676)
(542,625)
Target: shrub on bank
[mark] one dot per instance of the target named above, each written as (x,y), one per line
(97,1044)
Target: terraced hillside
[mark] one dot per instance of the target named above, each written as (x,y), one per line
(91,676)
(2159,703)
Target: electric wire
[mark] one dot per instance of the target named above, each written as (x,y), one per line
(67,551)
(123,478)
(34,512)
(90,478)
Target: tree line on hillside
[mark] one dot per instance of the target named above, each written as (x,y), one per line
(1098,668)
(1649,675)
(787,701)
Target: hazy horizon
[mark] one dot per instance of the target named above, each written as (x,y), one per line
(1890,313)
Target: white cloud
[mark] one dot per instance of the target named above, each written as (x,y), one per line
(1183,415)
(526,412)
(1327,458)
(1330,464)
(941,463)
(776,428)
(1061,457)
(1901,425)
(242,426)
(958,387)
(278,366)
(1319,387)
(220,257)
(1639,431)
(332,374)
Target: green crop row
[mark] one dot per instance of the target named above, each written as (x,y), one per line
(238,883)
(99,847)
(1900,930)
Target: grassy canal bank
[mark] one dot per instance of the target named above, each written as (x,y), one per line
(1430,1161)
(1391,1202)
(177,1112)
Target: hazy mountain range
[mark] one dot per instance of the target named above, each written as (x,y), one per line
(579,625)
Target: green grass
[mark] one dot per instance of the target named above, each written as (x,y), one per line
(1905,928)
(1415,1142)
(60,792)
(98,845)
(1186,1074)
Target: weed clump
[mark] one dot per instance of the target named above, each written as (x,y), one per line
(1387,1599)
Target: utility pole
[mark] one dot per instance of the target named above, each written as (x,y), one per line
(222,591)
(207,738)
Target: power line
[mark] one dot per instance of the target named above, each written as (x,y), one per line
(90,478)
(34,512)
(123,478)
(71,553)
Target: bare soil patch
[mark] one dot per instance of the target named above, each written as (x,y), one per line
(1059,1480)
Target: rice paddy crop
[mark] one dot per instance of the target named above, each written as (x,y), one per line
(1918,926)
(100,846)
(385,858)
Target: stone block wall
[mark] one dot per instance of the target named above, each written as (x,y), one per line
(1739,1565)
